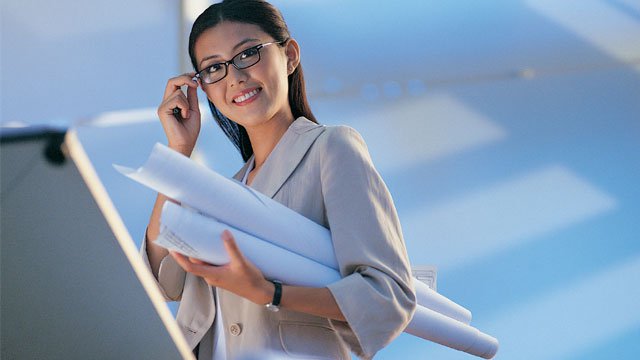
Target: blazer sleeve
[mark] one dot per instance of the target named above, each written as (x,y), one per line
(375,293)
(170,275)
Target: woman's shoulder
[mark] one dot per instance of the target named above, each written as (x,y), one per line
(341,136)
(327,134)
(342,144)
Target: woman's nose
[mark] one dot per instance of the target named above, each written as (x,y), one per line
(236,76)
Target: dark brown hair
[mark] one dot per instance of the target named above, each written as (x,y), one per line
(270,20)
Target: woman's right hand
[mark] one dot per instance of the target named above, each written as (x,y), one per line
(181,134)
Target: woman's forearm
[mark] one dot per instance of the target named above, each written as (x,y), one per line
(314,301)
(241,277)
(155,253)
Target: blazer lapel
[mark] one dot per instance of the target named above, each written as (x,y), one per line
(240,174)
(286,156)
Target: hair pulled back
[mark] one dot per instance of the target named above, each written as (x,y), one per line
(270,20)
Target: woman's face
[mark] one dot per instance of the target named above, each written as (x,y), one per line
(255,95)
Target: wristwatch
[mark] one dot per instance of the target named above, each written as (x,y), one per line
(277,295)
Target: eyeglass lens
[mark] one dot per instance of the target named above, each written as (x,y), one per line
(243,60)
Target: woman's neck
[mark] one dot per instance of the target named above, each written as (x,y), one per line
(265,137)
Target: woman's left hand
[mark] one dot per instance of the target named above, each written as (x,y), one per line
(239,276)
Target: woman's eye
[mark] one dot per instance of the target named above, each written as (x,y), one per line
(214,68)
(249,53)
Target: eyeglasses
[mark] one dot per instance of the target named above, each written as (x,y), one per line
(247,58)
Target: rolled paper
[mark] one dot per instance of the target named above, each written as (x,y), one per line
(204,242)
(430,299)
(263,219)
(433,326)
(178,177)
(243,208)
(198,236)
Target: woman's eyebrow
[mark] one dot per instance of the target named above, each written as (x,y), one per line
(233,49)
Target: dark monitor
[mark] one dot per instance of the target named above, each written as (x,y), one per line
(72,284)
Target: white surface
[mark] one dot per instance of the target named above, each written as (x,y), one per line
(203,234)
(167,172)
(507,214)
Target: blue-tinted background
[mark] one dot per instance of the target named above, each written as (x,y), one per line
(507,131)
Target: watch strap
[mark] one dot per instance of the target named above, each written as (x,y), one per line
(277,294)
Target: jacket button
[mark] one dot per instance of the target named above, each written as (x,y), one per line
(235,329)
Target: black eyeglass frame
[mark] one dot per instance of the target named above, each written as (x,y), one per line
(232,61)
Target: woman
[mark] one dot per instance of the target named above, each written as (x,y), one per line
(249,68)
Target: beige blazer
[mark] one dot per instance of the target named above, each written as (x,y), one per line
(325,173)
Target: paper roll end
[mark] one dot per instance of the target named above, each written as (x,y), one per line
(486,346)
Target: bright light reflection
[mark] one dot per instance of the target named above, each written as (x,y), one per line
(124,117)
(598,23)
(422,129)
(135,116)
(502,216)
(64,20)
(193,8)
(574,319)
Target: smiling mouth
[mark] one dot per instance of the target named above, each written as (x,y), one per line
(247,96)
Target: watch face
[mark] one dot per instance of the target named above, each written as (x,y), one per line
(272,307)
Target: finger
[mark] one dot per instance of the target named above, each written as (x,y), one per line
(177,82)
(177,100)
(200,262)
(192,98)
(188,266)
(232,247)
(182,104)
(179,258)
(182,260)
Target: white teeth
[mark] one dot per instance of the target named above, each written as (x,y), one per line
(246,96)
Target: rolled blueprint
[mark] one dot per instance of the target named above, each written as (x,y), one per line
(433,326)
(198,236)
(178,177)
(181,225)
(430,299)
(229,201)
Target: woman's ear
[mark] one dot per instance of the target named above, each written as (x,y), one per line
(292,50)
